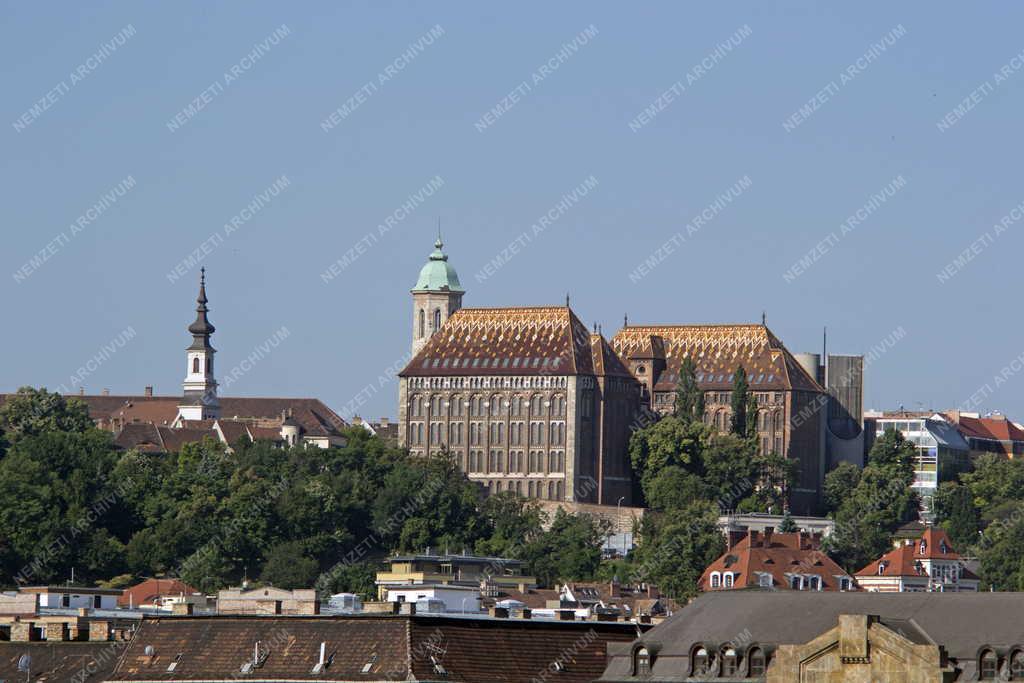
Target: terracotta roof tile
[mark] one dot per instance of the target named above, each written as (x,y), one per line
(717,351)
(506,341)
(783,555)
(146,592)
(902,561)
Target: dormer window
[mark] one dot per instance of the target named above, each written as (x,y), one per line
(716,580)
(756,661)
(989,666)
(728,579)
(942,546)
(700,661)
(730,664)
(642,662)
(924,546)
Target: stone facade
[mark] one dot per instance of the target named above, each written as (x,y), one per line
(860,649)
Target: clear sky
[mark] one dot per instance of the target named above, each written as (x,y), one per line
(772,122)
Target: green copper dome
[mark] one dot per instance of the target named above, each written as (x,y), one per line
(438,274)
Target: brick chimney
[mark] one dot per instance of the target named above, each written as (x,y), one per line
(755,540)
(735,537)
(148,392)
(384,422)
(768,532)
(106,392)
(653,592)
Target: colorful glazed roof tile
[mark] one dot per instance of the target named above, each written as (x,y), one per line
(545,340)
(717,350)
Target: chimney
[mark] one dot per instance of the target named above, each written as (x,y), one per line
(755,540)
(735,537)
(613,588)
(653,592)
(383,422)
(81,391)
(768,532)
(356,420)
(106,392)
(182,608)
(148,392)
(498,612)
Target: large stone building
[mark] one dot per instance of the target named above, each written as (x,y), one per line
(530,401)
(790,419)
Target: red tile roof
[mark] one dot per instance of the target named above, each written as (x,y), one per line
(779,555)
(902,561)
(368,648)
(506,341)
(992,428)
(717,351)
(147,592)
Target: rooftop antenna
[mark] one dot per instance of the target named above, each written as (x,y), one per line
(764,318)
(567,299)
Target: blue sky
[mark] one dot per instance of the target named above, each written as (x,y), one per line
(879,85)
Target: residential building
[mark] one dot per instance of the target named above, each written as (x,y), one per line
(268,601)
(452,598)
(735,525)
(927,564)
(160,594)
(789,418)
(786,636)
(74,597)
(992,433)
(941,450)
(487,573)
(772,561)
(408,647)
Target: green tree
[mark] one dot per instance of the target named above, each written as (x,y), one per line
(674,488)
(689,403)
(788,526)
(881,501)
(31,412)
(840,484)
(569,550)
(1001,551)
(289,566)
(676,548)
(956,513)
(512,521)
(740,399)
(994,482)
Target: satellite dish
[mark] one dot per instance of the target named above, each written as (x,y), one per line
(24,663)
(149,651)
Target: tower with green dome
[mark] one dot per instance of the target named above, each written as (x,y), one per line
(437,294)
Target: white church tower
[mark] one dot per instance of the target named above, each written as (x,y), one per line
(436,296)
(200,388)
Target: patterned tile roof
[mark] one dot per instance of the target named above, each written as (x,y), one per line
(545,340)
(717,350)
(60,662)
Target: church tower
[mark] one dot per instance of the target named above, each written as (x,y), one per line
(436,296)
(200,387)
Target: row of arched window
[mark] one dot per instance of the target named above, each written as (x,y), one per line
(422,325)
(495,406)
(494,461)
(992,667)
(551,490)
(495,432)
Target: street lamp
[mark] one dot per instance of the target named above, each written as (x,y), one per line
(618,522)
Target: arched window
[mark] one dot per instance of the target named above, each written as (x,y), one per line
(756,662)
(423,324)
(495,405)
(558,490)
(209,365)
(716,580)
(777,421)
(1017,666)
(551,490)
(989,669)
(437,319)
(730,663)
(530,490)
(195,364)
(728,579)
(642,662)
(701,665)
(537,405)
